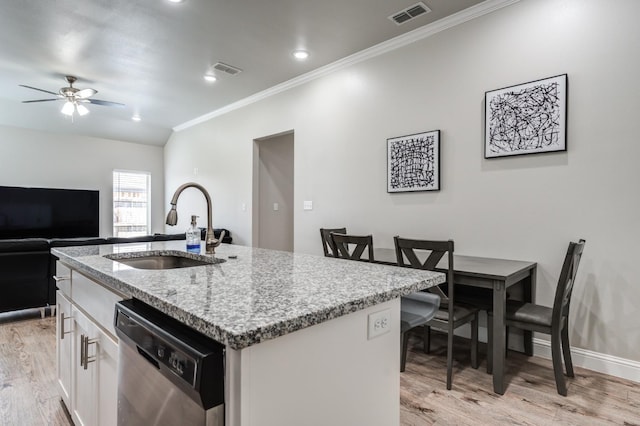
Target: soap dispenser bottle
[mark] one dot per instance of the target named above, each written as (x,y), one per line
(193,237)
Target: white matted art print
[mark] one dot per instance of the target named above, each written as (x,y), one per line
(527,118)
(413,162)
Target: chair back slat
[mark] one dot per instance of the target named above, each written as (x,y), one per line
(408,248)
(327,244)
(567,279)
(352,247)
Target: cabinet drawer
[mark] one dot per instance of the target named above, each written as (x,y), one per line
(95,300)
(63,279)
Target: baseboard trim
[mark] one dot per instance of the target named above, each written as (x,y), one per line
(602,363)
(584,358)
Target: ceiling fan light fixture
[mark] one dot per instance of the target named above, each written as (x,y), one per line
(82,110)
(67,108)
(73,98)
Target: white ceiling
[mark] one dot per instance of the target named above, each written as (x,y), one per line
(151,55)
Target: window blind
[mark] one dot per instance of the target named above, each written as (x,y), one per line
(131,195)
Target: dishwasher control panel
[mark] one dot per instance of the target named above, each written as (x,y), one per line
(156,350)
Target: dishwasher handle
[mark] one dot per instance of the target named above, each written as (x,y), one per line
(148,357)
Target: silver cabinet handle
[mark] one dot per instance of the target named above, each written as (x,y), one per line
(58,279)
(81,350)
(85,359)
(61,319)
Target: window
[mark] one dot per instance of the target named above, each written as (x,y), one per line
(131,195)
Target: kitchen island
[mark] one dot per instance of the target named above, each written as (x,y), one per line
(296,326)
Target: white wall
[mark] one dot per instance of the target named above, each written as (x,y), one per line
(522,208)
(50,160)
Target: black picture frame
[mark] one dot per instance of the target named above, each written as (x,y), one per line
(413,162)
(528,118)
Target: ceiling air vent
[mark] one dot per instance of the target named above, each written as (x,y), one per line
(228,69)
(409,13)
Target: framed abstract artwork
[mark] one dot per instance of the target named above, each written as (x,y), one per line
(413,162)
(528,118)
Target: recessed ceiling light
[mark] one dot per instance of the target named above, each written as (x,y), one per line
(210,77)
(176,1)
(300,54)
(136,118)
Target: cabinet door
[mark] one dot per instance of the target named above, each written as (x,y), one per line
(83,380)
(107,377)
(95,389)
(64,334)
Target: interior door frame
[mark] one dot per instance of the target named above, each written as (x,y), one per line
(255,196)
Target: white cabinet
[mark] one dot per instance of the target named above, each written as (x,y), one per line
(95,373)
(84,382)
(107,377)
(64,334)
(87,349)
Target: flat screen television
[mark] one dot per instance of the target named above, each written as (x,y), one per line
(48,213)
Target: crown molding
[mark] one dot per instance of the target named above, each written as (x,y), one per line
(421,33)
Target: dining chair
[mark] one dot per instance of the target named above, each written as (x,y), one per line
(352,247)
(543,319)
(450,314)
(327,244)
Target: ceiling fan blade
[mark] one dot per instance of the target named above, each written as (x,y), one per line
(105,103)
(40,100)
(41,90)
(85,93)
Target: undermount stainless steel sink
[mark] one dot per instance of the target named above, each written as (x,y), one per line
(163,260)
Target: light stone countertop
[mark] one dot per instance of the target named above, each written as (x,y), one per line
(260,295)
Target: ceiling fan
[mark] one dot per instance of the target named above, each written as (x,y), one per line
(74,98)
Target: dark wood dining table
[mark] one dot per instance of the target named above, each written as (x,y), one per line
(496,274)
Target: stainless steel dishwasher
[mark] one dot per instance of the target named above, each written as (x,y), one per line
(168,373)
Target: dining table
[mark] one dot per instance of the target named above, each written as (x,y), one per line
(495,274)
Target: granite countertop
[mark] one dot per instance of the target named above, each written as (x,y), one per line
(254,294)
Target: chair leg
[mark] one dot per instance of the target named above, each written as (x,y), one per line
(566,351)
(556,358)
(489,343)
(474,341)
(449,357)
(404,343)
(426,339)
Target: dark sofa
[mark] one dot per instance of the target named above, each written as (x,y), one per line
(24,274)
(27,266)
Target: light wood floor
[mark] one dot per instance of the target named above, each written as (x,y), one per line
(28,393)
(530,398)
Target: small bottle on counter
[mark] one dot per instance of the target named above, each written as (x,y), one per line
(193,237)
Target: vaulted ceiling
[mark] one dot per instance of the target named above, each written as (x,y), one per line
(152,55)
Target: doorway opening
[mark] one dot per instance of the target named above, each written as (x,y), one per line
(273,168)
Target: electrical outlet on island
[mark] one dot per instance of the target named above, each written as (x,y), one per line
(379,323)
